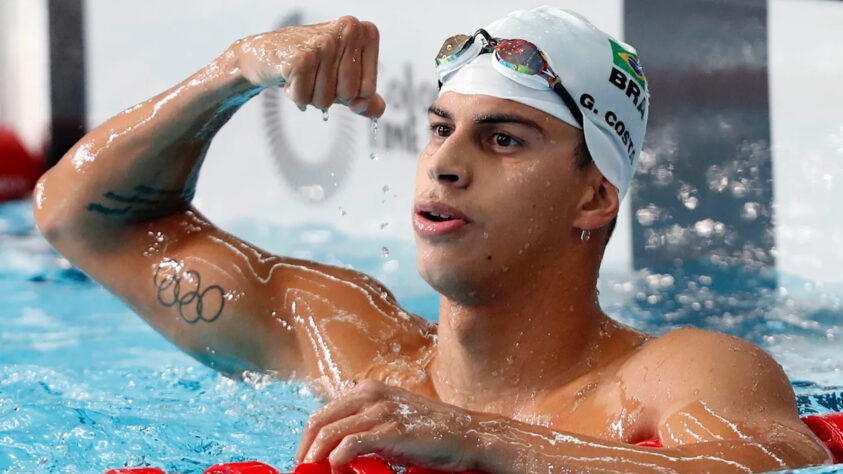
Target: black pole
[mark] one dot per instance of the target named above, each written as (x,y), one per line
(67,76)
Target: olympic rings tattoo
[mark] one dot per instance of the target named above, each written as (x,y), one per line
(210,300)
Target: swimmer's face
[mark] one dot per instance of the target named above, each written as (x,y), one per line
(503,180)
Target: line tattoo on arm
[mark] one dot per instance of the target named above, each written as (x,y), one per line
(146,202)
(183,289)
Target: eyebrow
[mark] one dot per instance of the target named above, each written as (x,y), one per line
(485,119)
(440,112)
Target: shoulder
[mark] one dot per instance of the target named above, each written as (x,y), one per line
(688,365)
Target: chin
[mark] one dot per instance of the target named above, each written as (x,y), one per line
(458,279)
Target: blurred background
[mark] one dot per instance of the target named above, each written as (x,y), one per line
(742,162)
(732,223)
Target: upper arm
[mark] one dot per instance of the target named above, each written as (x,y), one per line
(710,387)
(236,307)
(202,288)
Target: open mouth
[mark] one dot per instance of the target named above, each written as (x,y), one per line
(435,219)
(432,216)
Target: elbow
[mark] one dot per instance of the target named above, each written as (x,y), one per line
(45,210)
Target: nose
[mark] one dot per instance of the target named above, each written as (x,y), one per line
(450,177)
(448,166)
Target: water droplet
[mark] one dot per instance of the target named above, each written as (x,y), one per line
(691,202)
(374,126)
(302,107)
(324,115)
(750,211)
(385,188)
(373,156)
(395,347)
(385,252)
(485,235)
(342,211)
(384,224)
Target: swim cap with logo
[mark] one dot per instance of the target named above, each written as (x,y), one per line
(602,74)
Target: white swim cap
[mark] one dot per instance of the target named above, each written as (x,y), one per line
(602,74)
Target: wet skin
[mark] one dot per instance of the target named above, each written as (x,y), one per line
(523,373)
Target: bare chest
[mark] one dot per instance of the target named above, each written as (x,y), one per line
(594,406)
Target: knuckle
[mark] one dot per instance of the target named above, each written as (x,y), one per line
(392,428)
(324,434)
(349,441)
(370,387)
(311,423)
(347,21)
(381,410)
(371,30)
(325,43)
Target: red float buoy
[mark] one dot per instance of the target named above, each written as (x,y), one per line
(19,170)
(249,467)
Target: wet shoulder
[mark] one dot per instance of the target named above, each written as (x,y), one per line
(692,364)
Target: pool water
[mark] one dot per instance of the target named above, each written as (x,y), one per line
(86,386)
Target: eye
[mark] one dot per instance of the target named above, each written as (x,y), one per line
(440,130)
(505,141)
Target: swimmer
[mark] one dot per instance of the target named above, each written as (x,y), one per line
(534,139)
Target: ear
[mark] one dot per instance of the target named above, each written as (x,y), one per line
(599,202)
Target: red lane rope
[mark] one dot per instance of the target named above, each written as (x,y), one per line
(829,428)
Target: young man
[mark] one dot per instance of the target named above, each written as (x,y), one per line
(524,372)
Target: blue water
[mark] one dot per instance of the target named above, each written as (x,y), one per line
(86,386)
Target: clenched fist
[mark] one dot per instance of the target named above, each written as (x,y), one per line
(335,62)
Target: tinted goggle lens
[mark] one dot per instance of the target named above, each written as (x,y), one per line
(517,54)
(521,55)
(452,48)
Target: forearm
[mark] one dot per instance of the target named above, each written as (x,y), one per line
(144,162)
(506,446)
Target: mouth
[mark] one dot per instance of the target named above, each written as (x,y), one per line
(434,218)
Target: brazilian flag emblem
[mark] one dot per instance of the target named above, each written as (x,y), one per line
(628,62)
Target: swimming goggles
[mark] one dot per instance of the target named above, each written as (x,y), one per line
(519,55)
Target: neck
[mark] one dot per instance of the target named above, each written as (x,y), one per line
(500,355)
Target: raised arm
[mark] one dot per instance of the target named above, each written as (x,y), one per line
(118,206)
